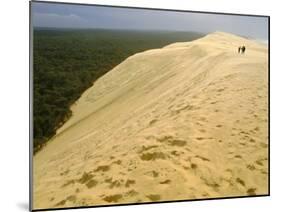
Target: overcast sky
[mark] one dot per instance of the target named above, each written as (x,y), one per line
(81,16)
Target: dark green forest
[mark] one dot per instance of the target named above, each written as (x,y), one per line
(67,62)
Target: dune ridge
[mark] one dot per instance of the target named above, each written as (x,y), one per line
(185,121)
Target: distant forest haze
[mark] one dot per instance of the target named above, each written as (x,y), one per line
(67,62)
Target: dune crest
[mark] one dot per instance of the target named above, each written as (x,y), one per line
(185,121)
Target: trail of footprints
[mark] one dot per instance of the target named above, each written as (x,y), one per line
(171,148)
(89,179)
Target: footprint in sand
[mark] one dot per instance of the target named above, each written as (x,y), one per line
(240,181)
(115,184)
(193,166)
(131,193)
(202,130)
(153,121)
(260,161)
(113,198)
(204,119)
(252,140)
(146,148)
(251,167)
(213,103)
(238,156)
(152,173)
(251,191)
(200,138)
(152,156)
(220,90)
(153,197)
(175,153)
(129,183)
(186,107)
(71,198)
(170,140)
(86,179)
(103,168)
(202,158)
(165,182)
(69,182)
(118,162)
(65,172)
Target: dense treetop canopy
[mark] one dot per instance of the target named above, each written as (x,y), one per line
(67,62)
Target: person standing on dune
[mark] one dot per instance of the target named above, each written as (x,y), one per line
(243,49)
(239,49)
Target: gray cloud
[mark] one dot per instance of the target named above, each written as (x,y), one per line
(79,16)
(58,20)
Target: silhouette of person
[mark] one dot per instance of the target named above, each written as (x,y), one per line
(239,49)
(243,49)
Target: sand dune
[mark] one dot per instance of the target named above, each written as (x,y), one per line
(186,121)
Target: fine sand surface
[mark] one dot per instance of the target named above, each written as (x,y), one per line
(186,121)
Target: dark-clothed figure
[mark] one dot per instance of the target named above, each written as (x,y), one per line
(243,49)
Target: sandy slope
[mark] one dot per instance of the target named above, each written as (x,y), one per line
(182,122)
